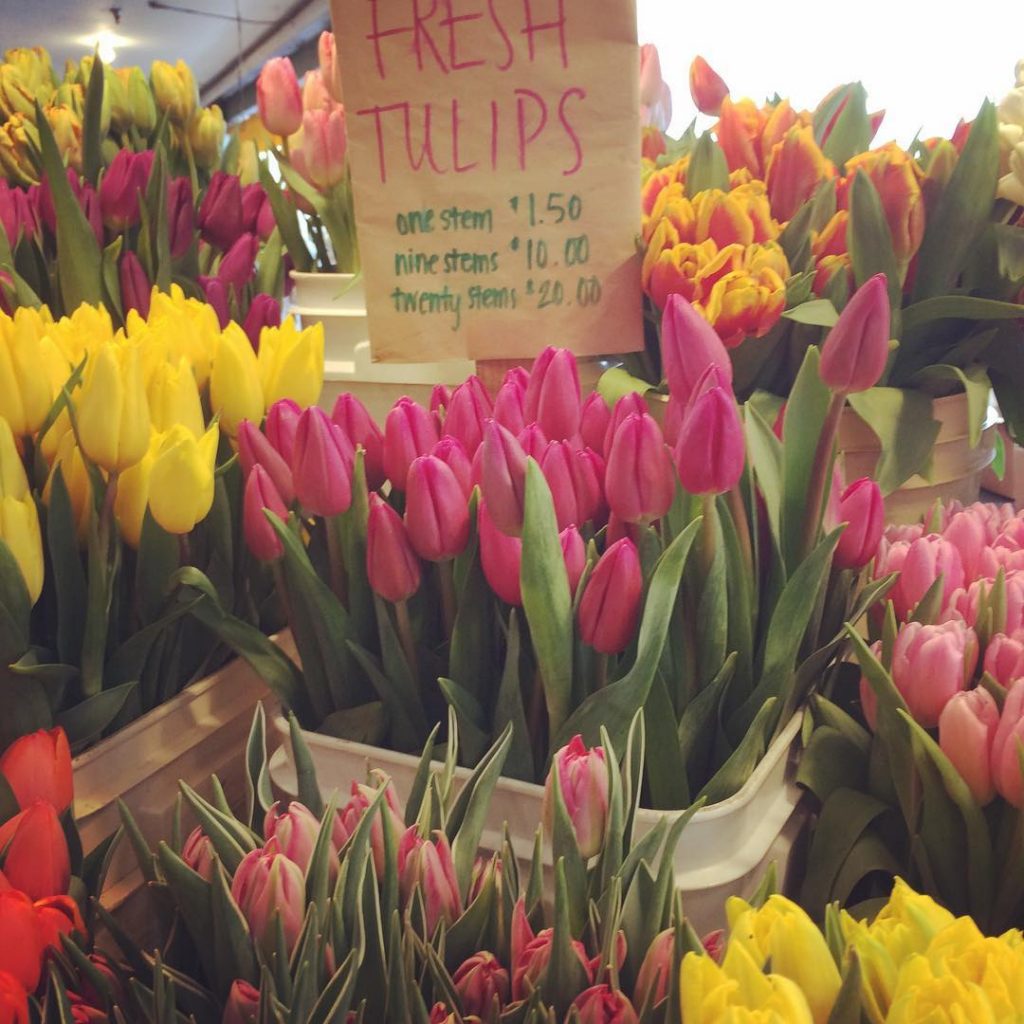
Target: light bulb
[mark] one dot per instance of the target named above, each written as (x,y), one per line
(105,47)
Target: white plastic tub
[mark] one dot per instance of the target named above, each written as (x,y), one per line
(725,848)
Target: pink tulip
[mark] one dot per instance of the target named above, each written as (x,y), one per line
(553,394)
(482,984)
(198,853)
(966,532)
(243,1005)
(261,494)
(238,264)
(269,887)
(181,216)
(391,563)
(466,413)
(655,973)
(135,286)
(574,552)
(264,311)
(122,186)
(321,464)
(282,423)
(450,451)
(932,663)
(296,829)
(583,781)
(440,397)
(557,466)
(926,560)
(409,431)
(503,478)
(602,1004)
(689,345)
(531,962)
(426,866)
(352,416)
(1004,659)
(534,441)
(321,149)
(500,557)
(220,211)
(655,96)
(967,730)
(436,514)
(639,482)
(711,450)
(610,605)
(594,420)
(314,92)
(330,65)
(860,507)
(279,98)
(1006,748)
(588,475)
(254,449)
(627,405)
(215,292)
(856,349)
(388,815)
(486,870)
(509,406)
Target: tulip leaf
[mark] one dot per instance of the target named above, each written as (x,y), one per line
(871,245)
(336,997)
(193,901)
(976,384)
(287,218)
(765,456)
(232,943)
(816,312)
(92,123)
(509,710)
(847,1007)
(830,762)
(471,640)
(730,778)
(259,794)
(616,704)
(617,382)
(902,421)
(230,838)
(707,168)
(696,729)
(15,607)
(958,307)
(352,527)
(546,598)
(473,734)
(66,566)
(565,976)
(399,696)
(666,768)
(963,211)
(851,133)
(85,721)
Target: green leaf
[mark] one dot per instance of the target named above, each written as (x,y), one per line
(68,573)
(232,944)
(193,901)
(15,607)
(975,382)
(259,794)
(847,1007)
(305,769)
(616,383)
(473,732)
(509,710)
(230,838)
(92,127)
(85,721)
(730,778)
(666,767)
(286,216)
(958,307)
(707,168)
(851,133)
(831,761)
(870,243)
(817,312)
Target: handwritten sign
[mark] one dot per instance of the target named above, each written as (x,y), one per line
(494,147)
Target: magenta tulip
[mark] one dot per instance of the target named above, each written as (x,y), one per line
(436,514)
(534,441)
(426,866)
(860,507)
(639,482)
(254,449)
(553,394)
(123,186)
(260,494)
(1004,659)
(296,829)
(181,216)
(466,414)
(321,464)
(243,1005)
(253,201)
(627,405)
(710,451)
(932,663)
(557,465)
(602,1004)
(588,474)
(450,451)
(854,354)
(18,215)
(238,265)
(509,406)
(391,563)
(88,200)
(264,311)
(655,972)
(278,97)
(220,211)
(198,853)
(216,294)
(500,557)
(967,730)
(352,416)
(689,345)
(282,423)
(268,887)
(503,478)
(583,782)
(1006,748)
(136,290)
(675,410)
(594,419)
(574,551)
(440,397)
(409,432)
(482,984)
(610,604)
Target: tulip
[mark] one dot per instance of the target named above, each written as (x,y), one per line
(238,265)
(500,557)
(1004,659)
(216,294)
(13,1000)
(557,465)
(594,419)
(243,1005)
(278,97)
(655,973)
(235,389)
(391,563)
(583,783)
(330,66)
(509,406)
(282,423)
(796,167)
(122,186)
(37,766)
(503,478)
(742,304)
(574,553)
(19,530)
(856,349)
(966,532)
(710,450)
(967,729)
(1006,746)
(409,431)
(926,560)
(19,142)
(534,441)
(140,98)
(627,405)
(174,90)
(132,496)
(36,858)
(352,416)
(426,866)
(220,212)
(553,394)
(206,133)
(655,95)
(530,965)
(450,451)
(639,483)
(26,394)
(21,939)
(707,88)
(17,216)
(58,915)
(319,153)
(436,514)
(181,480)
(111,407)
(253,449)
(261,494)
(610,604)
(181,220)
(264,311)
(689,345)
(389,815)
(291,363)
(440,397)
(466,413)
(296,829)
(253,201)
(314,93)
(198,853)
(482,984)
(135,286)
(602,1004)
(588,475)
(860,508)
(173,397)
(322,464)
(270,892)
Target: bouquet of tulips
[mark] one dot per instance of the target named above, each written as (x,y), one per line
(315,209)
(108,221)
(115,448)
(919,768)
(769,222)
(539,561)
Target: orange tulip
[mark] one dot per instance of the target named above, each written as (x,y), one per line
(726,260)
(21,938)
(661,179)
(781,119)
(742,306)
(831,239)
(38,767)
(652,143)
(767,256)
(795,169)
(830,268)
(675,270)
(739,127)
(722,218)
(940,169)
(706,87)
(36,859)
(672,207)
(753,197)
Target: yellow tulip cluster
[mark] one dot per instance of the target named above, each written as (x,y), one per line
(148,403)
(918,964)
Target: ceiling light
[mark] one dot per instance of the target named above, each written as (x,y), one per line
(105,42)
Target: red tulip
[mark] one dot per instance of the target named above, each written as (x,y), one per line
(391,563)
(466,413)
(409,431)
(36,860)
(557,465)
(321,464)
(260,494)
(482,984)
(220,211)
(967,731)
(216,294)
(282,422)
(655,973)
(583,782)
(594,422)
(238,264)
(58,915)
(450,451)
(135,286)
(707,87)
(181,216)
(243,1005)
(610,604)
(553,394)
(854,354)
(689,345)
(278,97)
(21,939)
(710,451)
(574,552)
(436,514)
(123,183)
(639,482)
(13,1000)
(602,1004)
(38,767)
(353,417)
(270,892)
(264,311)
(198,853)
(860,507)
(500,557)
(503,478)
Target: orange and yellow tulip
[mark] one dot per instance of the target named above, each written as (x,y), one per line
(707,87)
(796,167)
(742,305)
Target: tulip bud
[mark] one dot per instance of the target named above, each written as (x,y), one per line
(296,830)
(216,294)
(19,530)
(37,766)
(588,474)
(856,349)
(181,480)
(531,963)
(440,397)
(625,406)
(509,406)
(253,449)
(482,984)
(26,394)
(426,865)
(639,482)
(602,1004)
(1004,659)
(450,451)
(135,286)
(389,816)
(123,185)
(710,451)
(352,416)
(503,478)
(206,133)
(927,558)
(282,422)
(220,211)
(655,95)
(594,420)
(22,944)
(932,663)
(243,1005)
(264,311)
(967,730)
(966,532)
(689,345)
(261,494)
(319,152)
(534,441)
(707,88)
(583,781)
(466,413)
(140,98)
(1009,736)
(238,264)
(436,514)
(174,90)
(198,853)
(322,464)
(655,973)
(36,858)
(235,389)
(610,604)
(574,552)
(860,507)
(500,558)
(557,466)
(330,66)
(13,999)
(553,394)
(279,97)
(391,563)
(409,431)
(268,887)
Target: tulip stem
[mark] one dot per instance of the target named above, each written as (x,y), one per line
(535,724)
(600,672)
(738,509)
(708,529)
(405,635)
(446,574)
(280,585)
(94,642)
(336,558)
(821,473)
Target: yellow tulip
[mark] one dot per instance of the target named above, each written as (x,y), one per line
(131,499)
(235,391)
(923,997)
(84,331)
(181,480)
(16,95)
(781,933)
(19,139)
(26,394)
(291,363)
(206,136)
(111,407)
(115,94)
(19,529)
(76,479)
(248,162)
(13,482)
(34,69)
(140,98)
(190,328)
(66,126)
(174,397)
(174,90)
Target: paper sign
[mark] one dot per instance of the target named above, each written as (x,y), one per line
(495,154)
